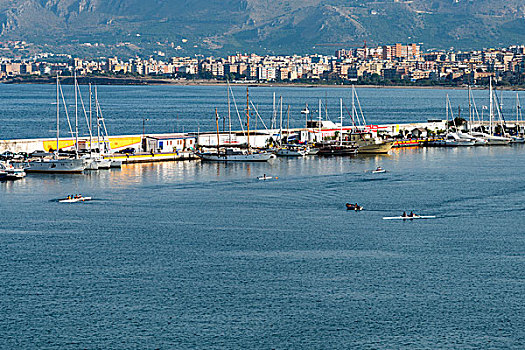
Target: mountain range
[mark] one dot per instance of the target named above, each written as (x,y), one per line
(262,26)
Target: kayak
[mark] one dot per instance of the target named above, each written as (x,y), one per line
(409,217)
(74,200)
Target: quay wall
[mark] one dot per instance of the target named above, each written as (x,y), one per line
(258,138)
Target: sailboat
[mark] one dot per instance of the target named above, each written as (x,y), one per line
(58,165)
(365,141)
(494,140)
(452,139)
(333,148)
(230,154)
(518,138)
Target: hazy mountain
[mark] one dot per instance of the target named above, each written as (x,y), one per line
(293,26)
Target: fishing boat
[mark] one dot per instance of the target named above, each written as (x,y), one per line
(414,217)
(74,199)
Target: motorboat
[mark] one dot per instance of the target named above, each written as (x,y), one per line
(356,207)
(9,172)
(378,170)
(312,151)
(453,140)
(264,177)
(291,151)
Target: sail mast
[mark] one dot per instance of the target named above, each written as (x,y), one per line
(218,138)
(76,115)
(469,110)
(341,117)
(490,108)
(98,120)
(229,118)
(248,116)
(58,118)
(281,120)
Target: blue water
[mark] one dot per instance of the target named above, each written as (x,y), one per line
(29,111)
(191,255)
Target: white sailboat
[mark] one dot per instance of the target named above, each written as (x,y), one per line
(518,138)
(452,139)
(57,165)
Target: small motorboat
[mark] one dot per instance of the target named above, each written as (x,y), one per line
(74,199)
(9,172)
(378,170)
(264,177)
(356,207)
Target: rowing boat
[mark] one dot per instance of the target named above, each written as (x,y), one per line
(74,200)
(409,217)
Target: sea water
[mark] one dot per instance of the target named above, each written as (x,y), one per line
(183,255)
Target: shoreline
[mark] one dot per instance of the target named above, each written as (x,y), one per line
(142,81)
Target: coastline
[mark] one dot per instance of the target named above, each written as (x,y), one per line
(122,81)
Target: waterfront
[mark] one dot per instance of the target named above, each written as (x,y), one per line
(28,111)
(202,255)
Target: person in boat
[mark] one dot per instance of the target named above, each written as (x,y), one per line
(404,214)
(411,214)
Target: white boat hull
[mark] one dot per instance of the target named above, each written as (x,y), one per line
(415,217)
(284,152)
(56,166)
(254,157)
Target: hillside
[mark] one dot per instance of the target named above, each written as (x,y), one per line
(264,26)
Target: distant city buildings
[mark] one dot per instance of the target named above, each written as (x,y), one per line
(387,63)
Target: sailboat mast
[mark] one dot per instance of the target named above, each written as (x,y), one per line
(248,116)
(90,120)
(98,120)
(353,106)
(58,118)
(320,118)
(446,112)
(469,110)
(491,107)
(281,120)
(76,115)
(341,117)
(218,137)
(229,118)
(274,112)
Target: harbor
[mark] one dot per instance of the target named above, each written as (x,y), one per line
(320,136)
(193,245)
